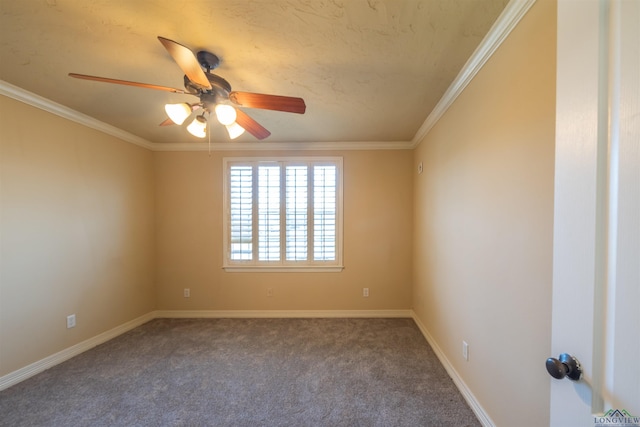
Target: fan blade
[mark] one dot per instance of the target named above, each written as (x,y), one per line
(250,125)
(126,82)
(187,61)
(269,102)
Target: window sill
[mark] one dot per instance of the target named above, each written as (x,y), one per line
(283,269)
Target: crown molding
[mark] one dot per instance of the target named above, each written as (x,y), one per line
(285,146)
(22,95)
(506,22)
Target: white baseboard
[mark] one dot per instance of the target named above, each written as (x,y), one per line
(22,374)
(481,414)
(28,371)
(280,313)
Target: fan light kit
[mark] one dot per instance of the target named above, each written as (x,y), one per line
(226,115)
(214,94)
(178,113)
(198,127)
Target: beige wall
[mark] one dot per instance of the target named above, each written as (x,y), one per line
(377,238)
(483,226)
(76,233)
(98,227)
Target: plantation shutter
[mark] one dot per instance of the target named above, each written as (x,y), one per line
(324,213)
(241,212)
(296,212)
(269,213)
(283,213)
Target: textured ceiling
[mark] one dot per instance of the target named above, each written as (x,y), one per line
(368,70)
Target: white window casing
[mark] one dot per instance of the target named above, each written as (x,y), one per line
(283,214)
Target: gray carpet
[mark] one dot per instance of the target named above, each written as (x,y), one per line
(247,372)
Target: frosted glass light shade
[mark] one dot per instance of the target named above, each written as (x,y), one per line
(198,127)
(226,114)
(235,130)
(178,113)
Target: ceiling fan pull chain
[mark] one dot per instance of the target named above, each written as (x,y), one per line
(209,133)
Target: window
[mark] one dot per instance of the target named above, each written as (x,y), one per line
(283,213)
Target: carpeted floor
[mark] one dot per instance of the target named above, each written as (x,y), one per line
(247,372)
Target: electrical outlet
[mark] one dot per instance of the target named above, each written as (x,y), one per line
(187,293)
(365,292)
(465,350)
(269,292)
(71,321)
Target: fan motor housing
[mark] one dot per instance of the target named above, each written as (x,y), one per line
(219,85)
(220,89)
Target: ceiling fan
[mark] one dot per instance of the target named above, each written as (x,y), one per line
(214,94)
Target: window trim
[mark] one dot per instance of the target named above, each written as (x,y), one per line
(282,265)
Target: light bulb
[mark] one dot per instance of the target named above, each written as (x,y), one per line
(178,113)
(198,127)
(235,130)
(226,114)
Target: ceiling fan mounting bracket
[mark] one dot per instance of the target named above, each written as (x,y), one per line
(208,60)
